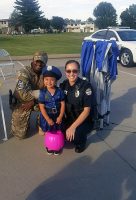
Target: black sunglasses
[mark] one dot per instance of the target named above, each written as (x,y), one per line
(74,71)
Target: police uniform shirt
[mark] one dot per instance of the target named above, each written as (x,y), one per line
(51,101)
(52,106)
(77,96)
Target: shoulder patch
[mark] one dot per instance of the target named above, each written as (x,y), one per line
(20,85)
(88,91)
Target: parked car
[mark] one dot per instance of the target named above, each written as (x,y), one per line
(37,31)
(125,38)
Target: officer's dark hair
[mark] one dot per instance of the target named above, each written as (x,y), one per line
(72,61)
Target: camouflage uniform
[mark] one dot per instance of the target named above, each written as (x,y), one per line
(27,82)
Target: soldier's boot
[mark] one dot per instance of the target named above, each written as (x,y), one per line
(40,131)
(12,100)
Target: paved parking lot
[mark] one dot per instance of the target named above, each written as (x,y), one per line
(106,170)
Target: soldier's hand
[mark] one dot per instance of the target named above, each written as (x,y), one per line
(70,133)
(50,122)
(27,105)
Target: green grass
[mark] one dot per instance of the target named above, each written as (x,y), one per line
(62,43)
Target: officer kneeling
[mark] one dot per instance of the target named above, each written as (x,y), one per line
(23,100)
(78,97)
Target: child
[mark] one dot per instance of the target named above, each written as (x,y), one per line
(51,101)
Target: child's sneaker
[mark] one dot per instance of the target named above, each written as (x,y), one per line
(56,153)
(50,152)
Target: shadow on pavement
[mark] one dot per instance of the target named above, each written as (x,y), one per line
(112,176)
(108,178)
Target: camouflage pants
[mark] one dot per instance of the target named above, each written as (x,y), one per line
(20,122)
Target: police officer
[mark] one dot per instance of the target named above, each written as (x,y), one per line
(29,81)
(78,96)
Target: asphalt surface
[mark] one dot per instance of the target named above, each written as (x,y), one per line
(106,170)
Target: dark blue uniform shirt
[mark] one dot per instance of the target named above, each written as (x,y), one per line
(52,105)
(77,97)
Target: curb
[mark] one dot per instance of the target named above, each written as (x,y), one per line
(52,56)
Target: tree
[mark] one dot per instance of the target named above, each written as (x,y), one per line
(30,14)
(72,21)
(90,20)
(66,21)
(45,24)
(128,17)
(105,15)
(14,20)
(57,23)
(78,21)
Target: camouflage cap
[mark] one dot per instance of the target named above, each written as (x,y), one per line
(41,55)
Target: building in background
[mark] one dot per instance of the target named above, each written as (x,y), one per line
(83,27)
(4,26)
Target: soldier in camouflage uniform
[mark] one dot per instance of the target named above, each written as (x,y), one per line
(29,81)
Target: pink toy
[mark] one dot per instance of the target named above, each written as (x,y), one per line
(54,140)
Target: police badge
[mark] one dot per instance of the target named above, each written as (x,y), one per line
(49,68)
(65,92)
(77,93)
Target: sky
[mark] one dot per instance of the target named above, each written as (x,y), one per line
(72,9)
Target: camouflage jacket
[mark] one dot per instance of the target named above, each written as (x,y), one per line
(27,81)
